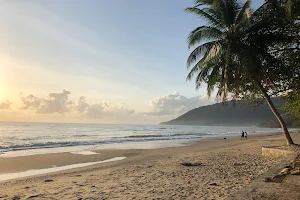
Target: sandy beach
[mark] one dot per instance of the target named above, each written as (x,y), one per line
(226,165)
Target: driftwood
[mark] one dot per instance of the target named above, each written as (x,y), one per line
(189,164)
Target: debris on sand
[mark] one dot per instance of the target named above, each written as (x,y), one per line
(190,164)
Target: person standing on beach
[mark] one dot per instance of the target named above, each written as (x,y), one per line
(243,135)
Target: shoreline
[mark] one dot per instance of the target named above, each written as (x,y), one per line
(227,164)
(153,144)
(30,144)
(48,160)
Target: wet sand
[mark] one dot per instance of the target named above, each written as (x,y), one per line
(226,166)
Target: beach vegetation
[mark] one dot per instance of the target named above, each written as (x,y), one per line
(241,53)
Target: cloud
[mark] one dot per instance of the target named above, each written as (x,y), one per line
(5,105)
(30,102)
(82,105)
(60,103)
(101,110)
(175,104)
(170,105)
(54,103)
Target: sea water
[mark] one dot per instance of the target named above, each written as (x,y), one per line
(19,139)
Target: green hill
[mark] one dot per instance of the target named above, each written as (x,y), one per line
(239,114)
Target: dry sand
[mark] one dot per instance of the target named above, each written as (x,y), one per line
(227,165)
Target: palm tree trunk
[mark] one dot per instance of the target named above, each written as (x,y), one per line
(288,138)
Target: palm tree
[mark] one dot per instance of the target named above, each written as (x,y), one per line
(233,51)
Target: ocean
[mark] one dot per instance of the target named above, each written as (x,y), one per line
(19,139)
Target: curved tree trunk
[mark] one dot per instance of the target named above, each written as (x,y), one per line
(275,112)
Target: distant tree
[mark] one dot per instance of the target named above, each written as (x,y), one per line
(237,51)
(292,8)
(288,73)
(292,103)
(291,96)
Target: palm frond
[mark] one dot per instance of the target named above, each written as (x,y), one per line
(202,75)
(213,79)
(205,50)
(205,2)
(202,65)
(192,72)
(203,33)
(217,15)
(259,26)
(201,13)
(230,11)
(243,10)
(196,68)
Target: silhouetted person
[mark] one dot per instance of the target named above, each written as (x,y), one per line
(245,135)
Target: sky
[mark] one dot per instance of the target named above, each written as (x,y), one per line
(96,61)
